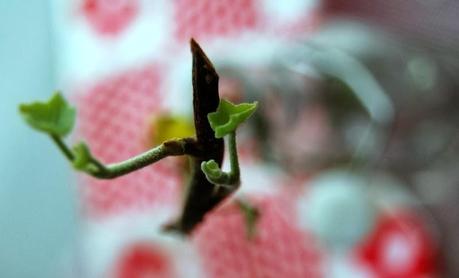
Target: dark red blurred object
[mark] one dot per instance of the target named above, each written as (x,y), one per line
(401,246)
(144,260)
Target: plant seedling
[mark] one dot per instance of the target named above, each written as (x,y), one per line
(213,120)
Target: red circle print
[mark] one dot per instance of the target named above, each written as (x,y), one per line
(401,246)
(144,260)
(110,17)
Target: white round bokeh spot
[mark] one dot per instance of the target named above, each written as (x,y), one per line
(337,209)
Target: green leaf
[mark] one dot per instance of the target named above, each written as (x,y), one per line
(211,169)
(251,216)
(55,117)
(229,116)
(83,159)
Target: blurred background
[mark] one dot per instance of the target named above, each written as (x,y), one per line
(37,199)
(351,159)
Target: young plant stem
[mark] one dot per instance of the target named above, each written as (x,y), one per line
(168,148)
(201,196)
(215,175)
(176,147)
(234,161)
(63,147)
(234,175)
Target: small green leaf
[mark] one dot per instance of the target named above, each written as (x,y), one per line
(211,169)
(83,160)
(251,216)
(55,117)
(229,116)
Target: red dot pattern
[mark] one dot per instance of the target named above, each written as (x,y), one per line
(144,260)
(210,18)
(109,17)
(113,118)
(406,226)
(279,249)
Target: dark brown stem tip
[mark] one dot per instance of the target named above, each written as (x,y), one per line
(195,47)
(194,44)
(198,53)
(173,227)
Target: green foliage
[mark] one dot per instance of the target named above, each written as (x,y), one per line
(229,116)
(211,169)
(55,117)
(83,160)
(251,215)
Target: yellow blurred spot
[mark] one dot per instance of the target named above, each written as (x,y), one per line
(165,127)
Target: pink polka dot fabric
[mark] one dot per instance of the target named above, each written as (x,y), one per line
(113,119)
(114,108)
(109,17)
(278,248)
(208,18)
(130,82)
